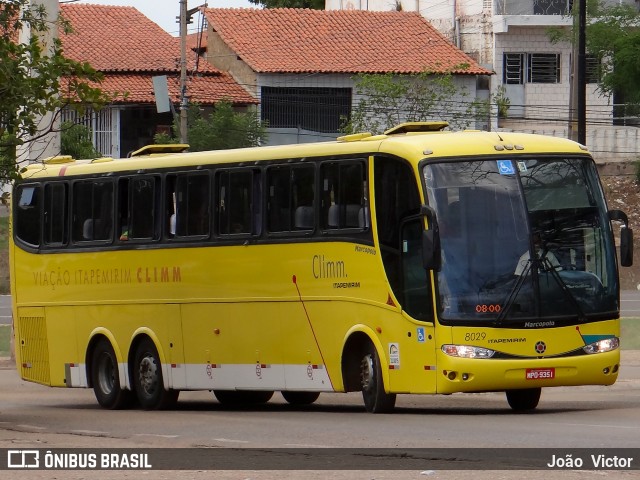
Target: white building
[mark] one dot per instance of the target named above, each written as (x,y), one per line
(511,37)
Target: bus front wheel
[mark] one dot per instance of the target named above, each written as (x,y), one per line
(376,400)
(243,397)
(147,379)
(300,398)
(105,378)
(523,400)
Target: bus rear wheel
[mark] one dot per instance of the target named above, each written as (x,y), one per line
(523,400)
(148,381)
(105,378)
(243,397)
(376,400)
(300,398)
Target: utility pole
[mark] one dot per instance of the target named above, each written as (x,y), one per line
(184,102)
(582,74)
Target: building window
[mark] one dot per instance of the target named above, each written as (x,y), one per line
(513,71)
(540,68)
(594,69)
(543,68)
(315,109)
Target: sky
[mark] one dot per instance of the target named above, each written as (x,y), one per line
(164,12)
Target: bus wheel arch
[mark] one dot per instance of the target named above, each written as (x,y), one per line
(103,374)
(362,370)
(147,379)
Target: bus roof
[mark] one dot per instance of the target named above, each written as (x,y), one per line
(410,143)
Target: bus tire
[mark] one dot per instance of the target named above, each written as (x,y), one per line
(105,378)
(523,400)
(376,400)
(147,379)
(244,397)
(300,398)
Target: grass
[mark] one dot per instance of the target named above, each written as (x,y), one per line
(630,334)
(5,332)
(4,255)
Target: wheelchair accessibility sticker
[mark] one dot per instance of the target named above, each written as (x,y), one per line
(420,332)
(505,167)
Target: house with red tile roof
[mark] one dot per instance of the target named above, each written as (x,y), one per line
(130,49)
(301,63)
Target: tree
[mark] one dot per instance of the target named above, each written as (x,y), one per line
(35,80)
(222,129)
(75,140)
(389,99)
(613,38)
(313,4)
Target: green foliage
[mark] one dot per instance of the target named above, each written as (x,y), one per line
(612,35)
(222,129)
(36,79)
(388,99)
(313,4)
(502,101)
(75,140)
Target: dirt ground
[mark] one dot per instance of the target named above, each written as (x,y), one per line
(623,193)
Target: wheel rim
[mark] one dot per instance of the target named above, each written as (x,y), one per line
(148,374)
(367,373)
(106,374)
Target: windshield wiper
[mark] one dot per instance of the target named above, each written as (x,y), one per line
(514,292)
(548,266)
(539,263)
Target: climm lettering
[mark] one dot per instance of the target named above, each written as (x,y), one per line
(325,268)
(159,275)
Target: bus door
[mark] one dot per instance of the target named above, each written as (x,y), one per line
(399,228)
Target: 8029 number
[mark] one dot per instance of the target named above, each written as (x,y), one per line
(474,336)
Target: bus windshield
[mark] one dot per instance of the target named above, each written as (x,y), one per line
(522,241)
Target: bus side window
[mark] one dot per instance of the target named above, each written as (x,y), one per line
(55,214)
(187,205)
(137,208)
(236,205)
(344,203)
(27,221)
(92,210)
(291,198)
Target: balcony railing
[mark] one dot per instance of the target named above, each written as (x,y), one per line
(533,7)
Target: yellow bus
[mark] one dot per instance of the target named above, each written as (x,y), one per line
(419,261)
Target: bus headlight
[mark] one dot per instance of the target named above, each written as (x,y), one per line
(467,351)
(602,346)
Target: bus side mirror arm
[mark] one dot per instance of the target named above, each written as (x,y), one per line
(626,237)
(431,252)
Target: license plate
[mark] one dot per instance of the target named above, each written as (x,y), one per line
(540,373)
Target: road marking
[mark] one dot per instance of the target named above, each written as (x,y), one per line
(307,445)
(89,432)
(33,427)
(155,435)
(635,427)
(228,440)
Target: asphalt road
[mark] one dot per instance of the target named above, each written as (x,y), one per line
(34,416)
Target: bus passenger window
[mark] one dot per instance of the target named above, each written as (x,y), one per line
(136,197)
(235,202)
(291,195)
(187,208)
(55,214)
(344,203)
(27,221)
(92,210)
